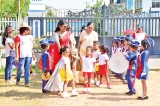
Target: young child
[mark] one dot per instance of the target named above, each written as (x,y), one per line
(88,64)
(46,62)
(131,56)
(8,42)
(142,68)
(96,54)
(103,65)
(66,73)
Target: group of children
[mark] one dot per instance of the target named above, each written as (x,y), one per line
(95,64)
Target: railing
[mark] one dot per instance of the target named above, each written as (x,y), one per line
(8,21)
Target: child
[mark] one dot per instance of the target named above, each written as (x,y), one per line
(131,56)
(88,63)
(66,73)
(143,69)
(103,65)
(46,62)
(96,54)
(8,42)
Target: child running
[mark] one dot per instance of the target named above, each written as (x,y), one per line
(103,65)
(8,42)
(66,73)
(96,54)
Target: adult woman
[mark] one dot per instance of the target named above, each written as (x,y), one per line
(61,38)
(83,28)
(139,35)
(87,37)
(23,53)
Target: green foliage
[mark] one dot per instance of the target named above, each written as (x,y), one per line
(9,8)
(49,13)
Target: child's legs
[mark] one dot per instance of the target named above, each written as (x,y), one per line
(65,86)
(90,75)
(97,76)
(8,68)
(107,79)
(44,84)
(144,84)
(85,79)
(73,84)
(101,76)
(130,81)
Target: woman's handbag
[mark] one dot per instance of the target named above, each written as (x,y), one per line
(13,53)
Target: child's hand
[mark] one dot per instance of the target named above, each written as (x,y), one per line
(66,76)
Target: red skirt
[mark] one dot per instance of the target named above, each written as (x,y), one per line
(102,70)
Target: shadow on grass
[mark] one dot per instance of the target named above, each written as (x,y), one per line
(28,95)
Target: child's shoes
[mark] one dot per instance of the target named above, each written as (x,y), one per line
(88,90)
(108,86)
(65,95)
(74,93)
(85,90)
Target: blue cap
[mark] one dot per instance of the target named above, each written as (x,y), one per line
(43,41)
(129,37)
(134,43)
(122,38)
(118,39)
(115,39)
(139,26)
(150,41)
(47,41)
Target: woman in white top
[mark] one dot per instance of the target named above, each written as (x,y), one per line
(8,42)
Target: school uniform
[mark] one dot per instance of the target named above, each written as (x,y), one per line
(46,67)
(103,58)
(131,72)
(142,67)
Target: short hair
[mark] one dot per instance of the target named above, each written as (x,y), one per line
(65,48)
(89,47)
(96,42)
(44,45)
(134,47)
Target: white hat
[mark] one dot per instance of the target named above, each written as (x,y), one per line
(24,25)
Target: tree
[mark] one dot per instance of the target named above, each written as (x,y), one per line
(49,13)
(9,8)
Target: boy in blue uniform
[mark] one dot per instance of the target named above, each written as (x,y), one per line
(131,56)
(46,62)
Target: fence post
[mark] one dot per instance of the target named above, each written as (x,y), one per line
(104,8)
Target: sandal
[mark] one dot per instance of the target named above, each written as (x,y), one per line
(142,98)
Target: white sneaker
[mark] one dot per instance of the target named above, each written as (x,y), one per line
(97,83)
(74,93)
(85,90)
(92,81)
(67,95)
(64,95)
(88,90)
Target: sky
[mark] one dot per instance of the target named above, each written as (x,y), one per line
(70,4)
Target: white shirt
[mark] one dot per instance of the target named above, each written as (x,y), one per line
(96,54)
(118,50)
(139,37)
(87,64)
(7,48)
(103,58)
(65,60)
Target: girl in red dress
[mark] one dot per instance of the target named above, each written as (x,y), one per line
(103,65)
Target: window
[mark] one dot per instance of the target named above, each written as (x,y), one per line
(155,4)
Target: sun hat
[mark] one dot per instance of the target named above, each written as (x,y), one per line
(134,43)
(24,25)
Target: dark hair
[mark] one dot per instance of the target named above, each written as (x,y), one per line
(83,27)
(44,45)
(96,42)
(22,29)
(89,23)
(122,42)
(145,44)
(60,23)
(89,47)
(104,48)
(5,34)
(65,48)
(68,28)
